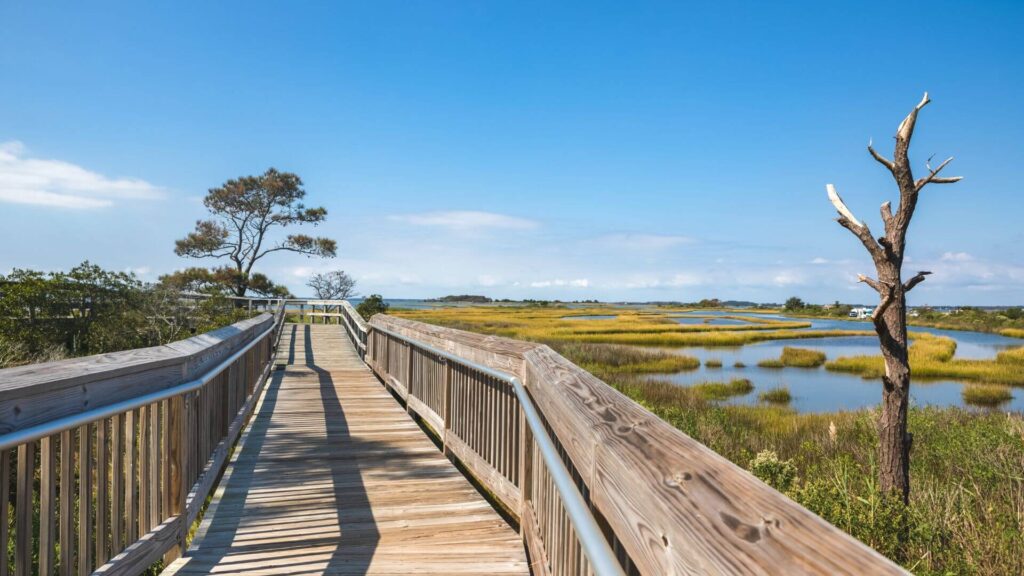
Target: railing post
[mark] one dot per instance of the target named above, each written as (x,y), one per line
(446,417)
(178,487)
(408,377)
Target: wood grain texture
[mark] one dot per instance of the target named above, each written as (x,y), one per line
(333,476)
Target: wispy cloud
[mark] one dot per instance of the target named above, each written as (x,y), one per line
(59,184)
(957,257)
(463,220)
(575,283)
(645,242)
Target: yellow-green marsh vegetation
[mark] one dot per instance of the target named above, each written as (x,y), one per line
(723,390)
(712,363)
(606,359)
(629,326)
(932,357)
(986,394)
(779,395)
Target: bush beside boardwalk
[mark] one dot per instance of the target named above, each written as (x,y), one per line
(967,489)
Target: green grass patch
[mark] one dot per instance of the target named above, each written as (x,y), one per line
(723,390)
(771,363)
(778,395)
(986,394)
(931,357)
(802,357)
(608,359)
(713,363)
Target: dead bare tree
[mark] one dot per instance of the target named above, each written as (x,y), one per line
(890,317)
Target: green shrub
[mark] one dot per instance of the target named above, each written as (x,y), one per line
(778,474)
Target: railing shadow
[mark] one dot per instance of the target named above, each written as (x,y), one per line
(286,523)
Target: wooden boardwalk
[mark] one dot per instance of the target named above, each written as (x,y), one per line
(333,477)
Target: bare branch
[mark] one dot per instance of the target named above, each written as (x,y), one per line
(886,211)
(917,279)
(870,282)
(845,212)
(850,222)
(881,159)
(888,296)
(933,175)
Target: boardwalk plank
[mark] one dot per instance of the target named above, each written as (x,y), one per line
(333,477)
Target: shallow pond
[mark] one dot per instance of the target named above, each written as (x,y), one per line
(969,345)
(816,389)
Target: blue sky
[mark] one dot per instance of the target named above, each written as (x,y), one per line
(640,151)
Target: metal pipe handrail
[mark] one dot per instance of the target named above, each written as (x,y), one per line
(33,433)
(595,546)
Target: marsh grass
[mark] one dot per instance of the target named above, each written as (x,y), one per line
(932,357)
(778,395)
(986,394)
(713,363)
(608,359)
(1013,332)
(802,357)
(966,513)
(723,390)
(739,364)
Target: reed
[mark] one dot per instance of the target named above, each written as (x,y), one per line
(712,363)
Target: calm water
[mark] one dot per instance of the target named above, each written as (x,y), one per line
(817,389)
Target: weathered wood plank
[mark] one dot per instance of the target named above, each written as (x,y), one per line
(332,476)
(645,477)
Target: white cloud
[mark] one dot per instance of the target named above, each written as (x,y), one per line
(956,257)
(54,183)
(645,242)
(819,260)
(576,283)
(139,270)
(462,220)
(487,280)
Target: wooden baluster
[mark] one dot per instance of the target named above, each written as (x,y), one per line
(102,527)
(130,480)
(144,462)
(154,467)
(167,504)
(23,524)
(47,502)
(67,499)
(84,500)
(5,493)
(117,485)
(177,486)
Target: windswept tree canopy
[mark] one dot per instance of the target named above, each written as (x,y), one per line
(245,211)
(222,280)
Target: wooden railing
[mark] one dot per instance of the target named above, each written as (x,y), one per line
(116,453)
(665,503)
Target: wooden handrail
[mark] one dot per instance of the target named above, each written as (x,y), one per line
(668,504)
(138,437)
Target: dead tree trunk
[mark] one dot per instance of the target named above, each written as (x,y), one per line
(890,317)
